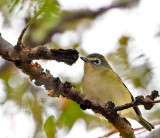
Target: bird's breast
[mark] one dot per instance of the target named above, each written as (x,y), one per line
(105,87)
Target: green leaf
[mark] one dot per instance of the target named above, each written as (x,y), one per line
(49,127)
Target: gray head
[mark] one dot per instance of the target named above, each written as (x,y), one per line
(96,60)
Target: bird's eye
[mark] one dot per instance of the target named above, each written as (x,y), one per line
(97,62)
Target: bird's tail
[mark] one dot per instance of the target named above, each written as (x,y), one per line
(145,124)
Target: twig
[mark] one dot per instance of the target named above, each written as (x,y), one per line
(135,129)
(19,42)
(59,28)
(148,102)
(69,56)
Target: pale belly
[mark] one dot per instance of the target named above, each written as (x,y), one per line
(106,91)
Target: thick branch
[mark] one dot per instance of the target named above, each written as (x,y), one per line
(59,28)
(41,77)
(10,53)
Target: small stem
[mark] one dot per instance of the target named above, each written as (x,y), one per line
(19,42)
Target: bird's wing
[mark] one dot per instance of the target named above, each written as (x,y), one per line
(136,109)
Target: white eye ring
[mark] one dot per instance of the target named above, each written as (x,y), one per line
(97,61)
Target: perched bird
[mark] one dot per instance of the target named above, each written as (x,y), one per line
(103,84)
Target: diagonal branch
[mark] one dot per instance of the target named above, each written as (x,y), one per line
(73,16)
(57,88)
(59,28)
(41,77)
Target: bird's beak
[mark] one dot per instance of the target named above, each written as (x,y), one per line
(84,59)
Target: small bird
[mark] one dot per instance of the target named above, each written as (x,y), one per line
(103,84)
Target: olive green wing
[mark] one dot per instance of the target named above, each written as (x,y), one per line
(136,109)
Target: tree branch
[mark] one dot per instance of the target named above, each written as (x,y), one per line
(69,56)
(41,77)
(57,88)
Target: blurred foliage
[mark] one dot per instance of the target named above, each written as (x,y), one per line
(18,89)
(50,15)
(155,115)
(140,75)
(44,23)
(70,112)
(9,8)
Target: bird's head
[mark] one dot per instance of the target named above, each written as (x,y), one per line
(95,61)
